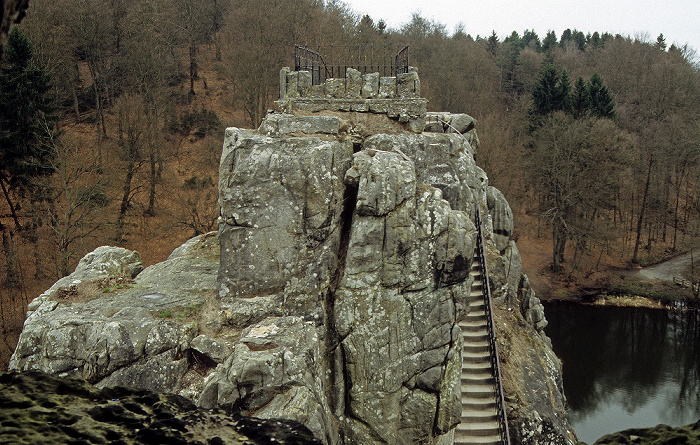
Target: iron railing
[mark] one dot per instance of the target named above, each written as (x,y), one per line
(493,349)
(334,61)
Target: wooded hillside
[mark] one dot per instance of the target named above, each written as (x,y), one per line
(594,139)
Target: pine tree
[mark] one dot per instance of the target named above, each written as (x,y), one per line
(546,91)
(550,41)
(581,100)
(552,92)
(27,113)
(564,96)
(601,101)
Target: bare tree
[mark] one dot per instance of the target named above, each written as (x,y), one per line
(77,195)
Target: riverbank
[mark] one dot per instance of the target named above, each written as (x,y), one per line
(608,279)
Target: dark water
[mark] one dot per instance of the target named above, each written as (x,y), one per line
(626,367)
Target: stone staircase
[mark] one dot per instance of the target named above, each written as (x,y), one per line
(479,423)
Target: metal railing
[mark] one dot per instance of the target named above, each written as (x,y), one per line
(334,61)
(493,349)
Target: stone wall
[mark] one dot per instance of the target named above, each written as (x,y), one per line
(397,97)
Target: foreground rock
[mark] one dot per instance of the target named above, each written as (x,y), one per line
(343,261)
(37,408)
(660,434)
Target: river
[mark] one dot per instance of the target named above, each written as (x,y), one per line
(626,367)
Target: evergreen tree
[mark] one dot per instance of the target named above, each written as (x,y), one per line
(552,92)
(601,102)
(564,96)
(581,100)
(550,41)
(661,42)
(27,113)
(492,44)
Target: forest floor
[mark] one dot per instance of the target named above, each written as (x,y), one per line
(604,278)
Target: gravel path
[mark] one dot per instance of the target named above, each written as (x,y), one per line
(667,270)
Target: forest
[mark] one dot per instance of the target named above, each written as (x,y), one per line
(112,114)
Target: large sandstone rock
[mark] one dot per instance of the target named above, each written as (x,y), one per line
(112,330)
(330,296)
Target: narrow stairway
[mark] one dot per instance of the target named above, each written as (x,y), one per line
(479,423)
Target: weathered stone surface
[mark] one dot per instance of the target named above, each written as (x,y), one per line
(407,85)
(418,244)
(442,161)
(461,123)
(335,88)
(268,374)
(39,408)
(284,72)
(281,124)
(370,85)
(126,334)
(353,83)
(304,83)
(501,218)
(387,87)
(532,383)
(293,84)
(281,201)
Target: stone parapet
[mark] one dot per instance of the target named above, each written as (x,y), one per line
(397,97)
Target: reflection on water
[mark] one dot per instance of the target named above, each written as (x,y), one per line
(626,367)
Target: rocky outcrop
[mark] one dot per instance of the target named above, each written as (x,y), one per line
(363,255)
(331,295)
(38,408)
(100,324)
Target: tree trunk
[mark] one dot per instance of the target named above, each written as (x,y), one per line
(150,211)
(635,257)
(12,270)
(193,66)
(126,195)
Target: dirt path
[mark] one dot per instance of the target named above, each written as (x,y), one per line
(667,270)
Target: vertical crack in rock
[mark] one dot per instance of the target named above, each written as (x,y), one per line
(338,377)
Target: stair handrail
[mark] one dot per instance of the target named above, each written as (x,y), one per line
(493,349)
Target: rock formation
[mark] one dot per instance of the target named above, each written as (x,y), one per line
(38,408)
(343,257)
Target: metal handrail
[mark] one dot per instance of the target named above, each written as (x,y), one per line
(339,58)
(493,349)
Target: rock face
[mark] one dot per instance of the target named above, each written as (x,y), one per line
(343,261)
(100,324)
(41,408)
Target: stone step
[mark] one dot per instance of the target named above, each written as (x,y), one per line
(479,404)
(479,415)
(477,367)
(466,439)
(475,357)
(478,391)
(472,324)
(471,337)
(475,346)
(479,429)
(477,377)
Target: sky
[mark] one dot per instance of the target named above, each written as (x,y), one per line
(678,20)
